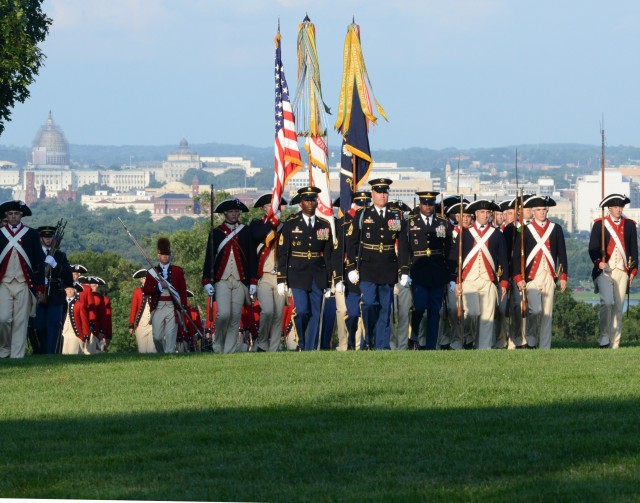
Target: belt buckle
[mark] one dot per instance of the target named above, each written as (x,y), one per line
(309,254)
(428,252)
(380,248)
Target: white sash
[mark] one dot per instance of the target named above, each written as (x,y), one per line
(172,290)
(616,238)
(13,244)
(229,237)
(480,246)
(541,245)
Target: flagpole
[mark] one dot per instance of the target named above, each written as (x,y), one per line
(603,248)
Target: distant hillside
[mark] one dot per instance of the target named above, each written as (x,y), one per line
(585,156)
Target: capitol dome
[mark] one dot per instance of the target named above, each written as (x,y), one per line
(50,147)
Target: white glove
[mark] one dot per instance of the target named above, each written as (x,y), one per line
(339,287)
(252,290)
(209,289)
(405,280)
(452,286)
(51,261)
(282,289)
(327,293)
(354,277)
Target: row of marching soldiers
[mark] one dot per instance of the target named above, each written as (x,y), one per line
(487,281)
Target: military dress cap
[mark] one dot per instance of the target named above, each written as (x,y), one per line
(15,206)
(362,194)
(427,196)
(614,200)
(140,273)
(266,199)
(164,246)
(539,201)
(79,268)
(399,205)
(380,184)
(309,193)
(231,204)
(482,204)
(46,231)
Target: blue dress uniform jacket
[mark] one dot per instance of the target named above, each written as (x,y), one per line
(371,244)
(424,251)
(339,255)
(304,254)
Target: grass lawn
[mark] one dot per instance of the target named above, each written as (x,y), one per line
(387,426)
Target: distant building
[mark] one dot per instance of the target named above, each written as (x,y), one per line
(179,162)
(589,195)
(50,149)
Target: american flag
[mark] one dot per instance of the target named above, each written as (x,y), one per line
(287,154)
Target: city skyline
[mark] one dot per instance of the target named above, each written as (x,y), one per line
(466,75)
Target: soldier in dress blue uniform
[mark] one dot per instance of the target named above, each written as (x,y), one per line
(57,277)
(304,265)
(373,261)
(424,246)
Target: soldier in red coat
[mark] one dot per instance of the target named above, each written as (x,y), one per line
(75,323)
(140,316)
(166,285)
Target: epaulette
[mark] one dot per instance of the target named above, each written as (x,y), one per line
(411,217)
(292,217)
(597,220)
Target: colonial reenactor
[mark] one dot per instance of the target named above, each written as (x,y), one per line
(75,323)
(86,296)
(613,273)
(484,268)
(544,249)
(373,262)
(229,272)
(403,298)
(347,294)
(502,318)
(424,247)
(58,276)
(451,335)
(265,233)
(304,265)
(140,315)
(94,343)
(102,305)
(166,285)
(21,278)
(517,326)
(187,333)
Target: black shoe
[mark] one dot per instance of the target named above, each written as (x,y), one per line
(604,346)
(422,348)
(521,346)
(412,344)
(530,347)
(260,350)
(468,345)
(445,346)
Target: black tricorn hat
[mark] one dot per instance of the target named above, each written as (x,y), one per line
(482,204)
(164,246)
(79,268)
(140,273)
(46,231)
(87,280)
(399,205)
(295,200)
(231,204)
(99,280)
(336,203)
(266,199)
(507,205)
(614,200)
(454,209)
(77,286)
(539,201)
(189,293)
(15,206)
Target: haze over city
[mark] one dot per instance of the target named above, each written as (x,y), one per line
(449,74)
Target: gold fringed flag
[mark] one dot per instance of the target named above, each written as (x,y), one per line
(355,115)
(312,119)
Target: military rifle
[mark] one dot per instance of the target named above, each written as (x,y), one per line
(55,245)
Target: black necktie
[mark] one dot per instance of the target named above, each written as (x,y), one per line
(48,251)
(310,224)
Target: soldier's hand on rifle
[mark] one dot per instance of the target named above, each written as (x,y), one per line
(252,290)
(340,287)
(563,285)
(209,289)
(458,290)
(282,289)
(327,293)
(51,261)
(354,277)
(521,285)
(405,280)
(452,286)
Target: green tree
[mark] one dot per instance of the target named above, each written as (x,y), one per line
(22,26)
(573,320)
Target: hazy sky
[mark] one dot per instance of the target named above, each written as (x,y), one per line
(449,73)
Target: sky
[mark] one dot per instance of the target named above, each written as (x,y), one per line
(449,73)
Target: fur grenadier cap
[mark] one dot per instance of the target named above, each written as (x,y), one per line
(614,200)
(164,246)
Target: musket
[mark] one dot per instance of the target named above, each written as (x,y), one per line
(212,298)
(523,297)
(55,245)
(603,247)
(460,311)
(172,291)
